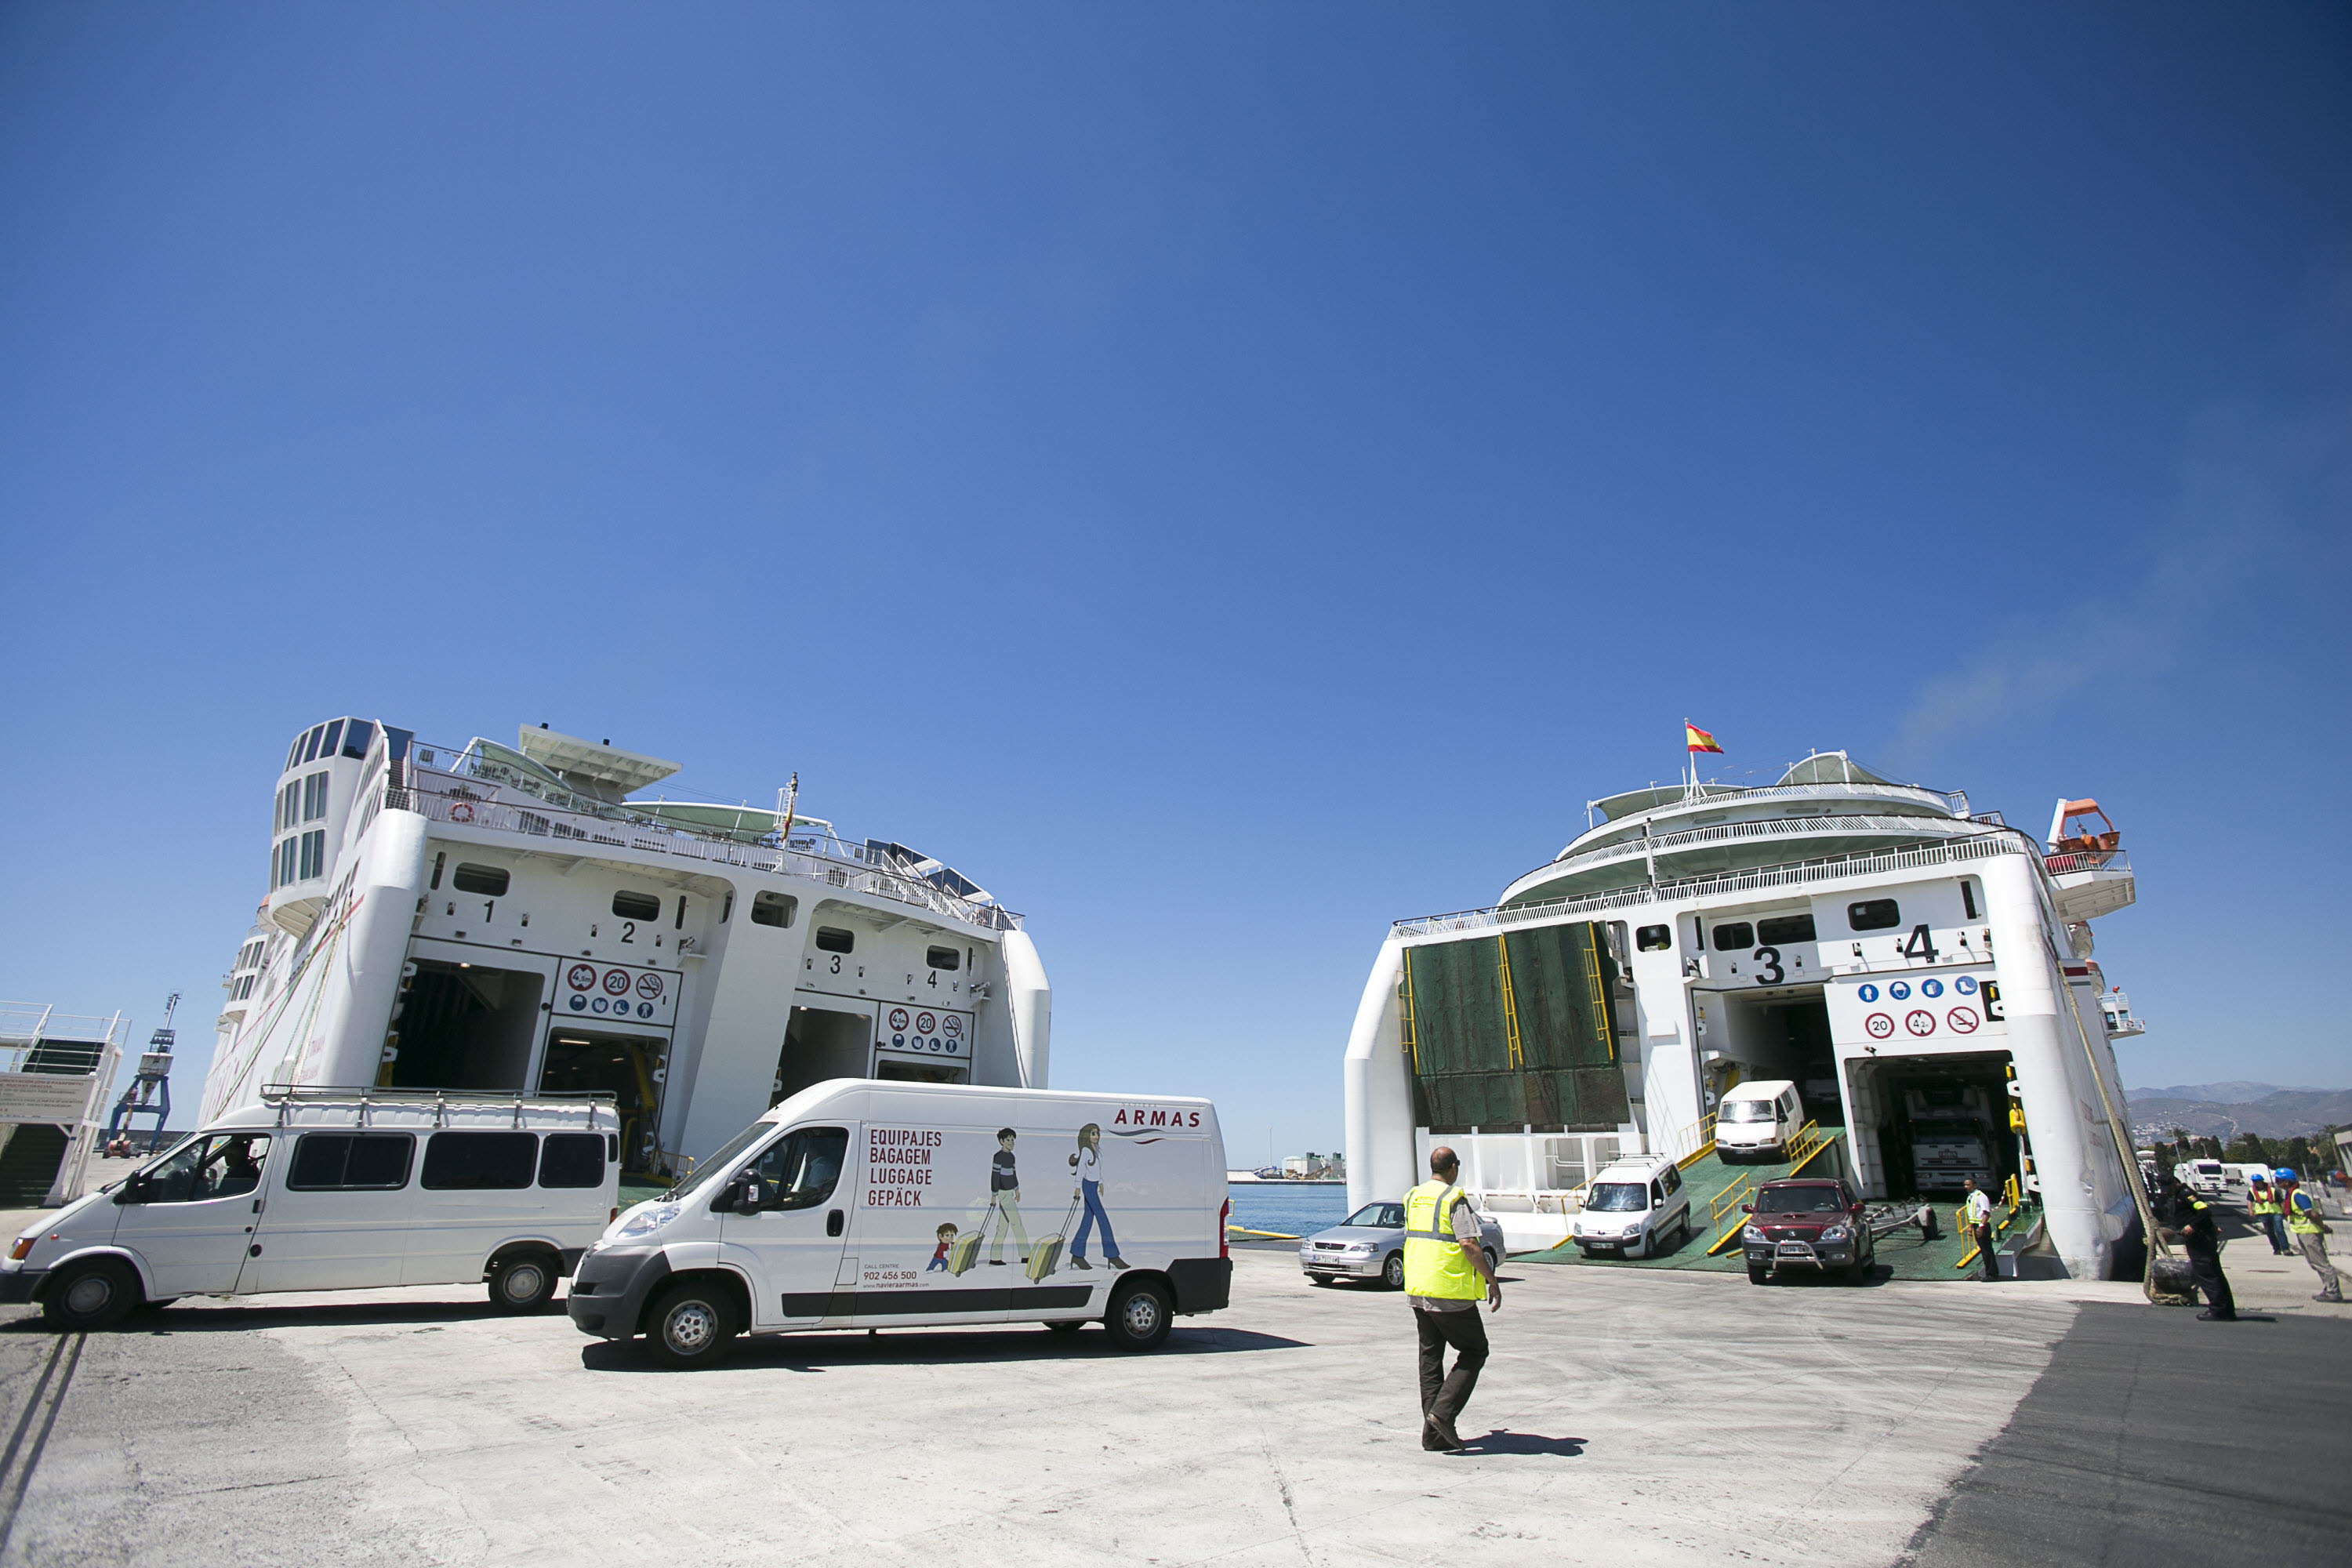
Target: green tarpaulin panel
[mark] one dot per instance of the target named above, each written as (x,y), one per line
(1559,983)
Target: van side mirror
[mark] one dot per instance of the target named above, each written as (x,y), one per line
(1747,1208)
(747,1200)
(728,1197)
(133,1191)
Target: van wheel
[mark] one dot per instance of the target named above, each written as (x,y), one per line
(1065,1328)
(1392,1271)
(524,1282)
(97,1294)
(1758,1275)
(1140,1316)
(689,1325)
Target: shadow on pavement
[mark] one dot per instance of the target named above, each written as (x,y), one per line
(815,1350)
(1523,1442)
(336,1315)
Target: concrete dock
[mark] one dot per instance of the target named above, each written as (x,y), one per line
(1628,1417)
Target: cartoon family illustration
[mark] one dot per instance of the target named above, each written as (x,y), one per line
(958,1250)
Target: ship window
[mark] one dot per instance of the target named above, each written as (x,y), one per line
(314,855)
(1968,898)
(636,906)
(572,1159)
(438,860)
(310,743)
(490,881)
(294,753)
(478,1162)
(834,938)
(775,910)
(314,797)
(358,738)
(334,734)
(1654,938)
(1737,934)
(1782,929)
(341,1161)
(942,957)
(1874,914)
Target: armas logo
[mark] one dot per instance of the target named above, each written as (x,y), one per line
(1138,1120)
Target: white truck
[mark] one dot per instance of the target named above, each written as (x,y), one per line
(864,1204)
(337,1189)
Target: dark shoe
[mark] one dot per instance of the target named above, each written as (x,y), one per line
(2210,1316)
(1430,1440)
(1116,1262)
(996,1262)
(2328,1298)
(1082,1263)
(1448,1440)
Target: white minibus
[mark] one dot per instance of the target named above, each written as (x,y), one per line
(862,1204)
(328,1189)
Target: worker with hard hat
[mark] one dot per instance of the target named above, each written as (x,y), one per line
(1446,1277)
(2262,1203)
(2310,1232)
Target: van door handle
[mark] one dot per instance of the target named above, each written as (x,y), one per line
(833,1223)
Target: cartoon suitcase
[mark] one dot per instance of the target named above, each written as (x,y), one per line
(965,1251)
(1046,1252)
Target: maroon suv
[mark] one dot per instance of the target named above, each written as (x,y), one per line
(1807,1222)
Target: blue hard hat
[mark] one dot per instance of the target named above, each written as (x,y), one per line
(2284,1173)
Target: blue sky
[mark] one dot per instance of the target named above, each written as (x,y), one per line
(1226,477)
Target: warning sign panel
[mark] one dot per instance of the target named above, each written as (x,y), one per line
(1874,1009)
(589,992)
(923,1034)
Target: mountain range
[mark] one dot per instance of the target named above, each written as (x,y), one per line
(2225,1109)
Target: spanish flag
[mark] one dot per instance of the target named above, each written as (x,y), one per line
(1697,739)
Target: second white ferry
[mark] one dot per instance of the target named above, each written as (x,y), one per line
(1906,963)
(487,917)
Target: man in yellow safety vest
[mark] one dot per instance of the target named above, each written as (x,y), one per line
(2262,1203)
(2310,1232)
(1445,1276)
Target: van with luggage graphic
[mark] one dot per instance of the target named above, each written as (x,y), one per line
(860,1203)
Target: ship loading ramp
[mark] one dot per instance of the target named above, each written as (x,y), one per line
(1718,1189)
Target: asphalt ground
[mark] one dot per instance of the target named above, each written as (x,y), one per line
(1628,1417)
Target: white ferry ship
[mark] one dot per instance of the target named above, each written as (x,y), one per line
(489,918)
(1898,957)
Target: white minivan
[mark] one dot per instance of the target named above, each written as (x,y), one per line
(332,1189)
(1758,1118)
(1635,1208)
(862,1204)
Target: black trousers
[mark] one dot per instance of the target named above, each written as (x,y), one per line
(1443,1393)
(1986,1248)
(2206,1268)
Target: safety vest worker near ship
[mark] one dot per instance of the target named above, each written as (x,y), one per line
(2262,1203)
(2310,1233)
(1445,1276)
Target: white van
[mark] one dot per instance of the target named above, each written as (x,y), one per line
(325,1189)
(1634,1208)
(861,1203)
(2209,1176)
(1758,1118)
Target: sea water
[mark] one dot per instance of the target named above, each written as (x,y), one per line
(1293,1210)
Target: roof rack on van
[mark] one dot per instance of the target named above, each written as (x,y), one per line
(284,1096)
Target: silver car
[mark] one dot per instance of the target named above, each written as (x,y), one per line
(1369,1244)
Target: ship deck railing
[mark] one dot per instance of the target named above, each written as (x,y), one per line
(820,858)
(1832,867)
(1813,826)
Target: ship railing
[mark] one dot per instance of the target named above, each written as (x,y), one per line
(1955,802)
(1735,832)
(1833,867)
(855,868)
(2076,861)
